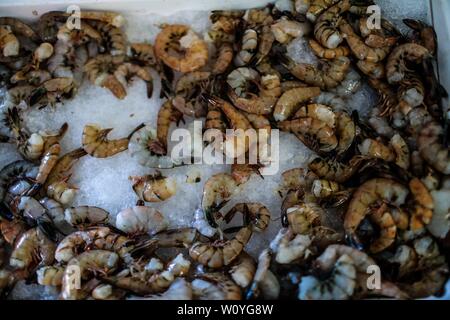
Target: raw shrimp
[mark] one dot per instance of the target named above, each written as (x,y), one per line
(241,173)
(100,72)
(96,143)
(9,44)
(314,8)
(423,204)
(326,53)
(302,217)
(98,238)
(56,184)
(396,63)
(201,224)
(256,213)
(221,252)
(50,275)
(221,187)
(88,264)
(331,99)
(426,33)
(113,39)
(243,270)
(314,133)
(154,188)
(319,112)
(411,90)
(264,283)
(144,53)
(289,247)
(19,27)
(14,171)
(376,149)
(85,215)
(180,289)
(215,286)
(126,71)
(388,229)
(78,37)
(326,29)
(112,18)
(215,119)
(11,230)
(328,76)
(359,48)
(224,58)
(52,91)
(265,42)
(180,238)
(370,193)
(145,147)
(401,150)
(339,285)
(141,220)
(48,25)
(291,100)
(166,114)
(48,162)
(248,48)
(284,30)
(431,149)
(186,93)
(180,48)
(32,248)
(374,70)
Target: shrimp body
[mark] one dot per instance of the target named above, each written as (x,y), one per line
(331,74)
(87,264)
(9,45)
(388,229)
(220,253)
(85,215)
(316,134)
(368,194)
(153,188)
(180,48)
(96,143)
(396,63)
(141,220)
(316,7)
(291,99)
(326,53)
(257,213)
(224,58)
(32,248)
(302,217)
(326,29)
(431,149)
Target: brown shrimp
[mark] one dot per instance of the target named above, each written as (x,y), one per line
(317,7)
(32,248)
(326,29)
(326,53)
(423,204)
(144,53)
(96,143)
(166,114)
(431,149)
(316,134)
(388,228)
(372,69)
(126,71)
(224,58)
(256,213)
(292,99)
(220,253)
(302,217)
(328,76)
(153,188)
(396,63)
(359,48)
(370,193)
(9,45)
(425,32)
(180,48)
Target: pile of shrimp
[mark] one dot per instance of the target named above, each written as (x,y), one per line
(366,200)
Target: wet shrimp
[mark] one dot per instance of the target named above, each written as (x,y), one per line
(85,216)
(256,213)
(248,48)
(319,112)
(243,270)
(166,115)
(145,147)
(153,188)
(396,63)
(401,150)
(372,69)
(425,33)
(376,149)
(326,29)
(144,53)
(359,48)
(302,217)
(388,228)
(50,275)
(127,71)
(186,99)
(141,220)
(220,253)
(314,8)
(9,44)
(316,134)
(14,171)
(431,149)
(423,204)
(328,76)
(265,284)
(326,53)
(370,193)
(113,39)
(285,30)
(18,27)
(56,185)
(88,263)
(215,286)
(289,247)
(180,48)
(220,187)
(224,59)
(96,143)
(290,100)
(31,249)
